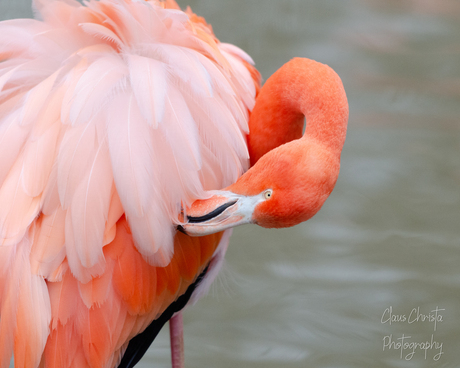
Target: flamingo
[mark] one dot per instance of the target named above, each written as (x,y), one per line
(120,122)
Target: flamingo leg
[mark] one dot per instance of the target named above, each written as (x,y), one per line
(176,334)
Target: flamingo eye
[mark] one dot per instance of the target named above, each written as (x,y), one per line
(268,194)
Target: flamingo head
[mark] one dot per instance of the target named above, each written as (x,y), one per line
(287,186)
(291,178)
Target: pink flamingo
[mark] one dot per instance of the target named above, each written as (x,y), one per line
(115,117)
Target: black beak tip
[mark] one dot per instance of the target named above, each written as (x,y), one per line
(181,229)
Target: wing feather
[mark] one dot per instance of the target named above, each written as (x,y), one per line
(12,139)
(74,160)
(25,311)
(18,209)
(96,292)
(5,76)
(131,154)
(184,64)
(109,110)
(39,158)
(17,37)
(181,132)
(36,98)
(48,250)
(90,207)
(149,81)
(102,32)
(81,273)
(33,318)
(94,86)
(244,84)
(132,160)
(10,278)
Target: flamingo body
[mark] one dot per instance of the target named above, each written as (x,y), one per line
(113,116)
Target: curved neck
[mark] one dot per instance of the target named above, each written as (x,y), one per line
(301,88)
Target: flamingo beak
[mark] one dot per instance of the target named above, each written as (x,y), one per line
(222,211)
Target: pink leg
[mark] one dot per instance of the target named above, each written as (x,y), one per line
(176,333)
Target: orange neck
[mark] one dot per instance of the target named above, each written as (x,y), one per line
(301,88)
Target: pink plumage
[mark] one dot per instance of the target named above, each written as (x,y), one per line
(111,110)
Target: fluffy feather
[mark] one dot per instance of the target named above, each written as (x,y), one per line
(113,116)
